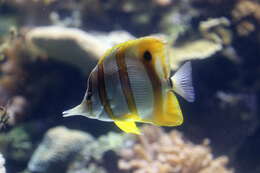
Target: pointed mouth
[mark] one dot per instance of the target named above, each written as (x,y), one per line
(74,111)
(78,110)
(66,114)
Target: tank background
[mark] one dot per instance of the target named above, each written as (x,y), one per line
(226,84)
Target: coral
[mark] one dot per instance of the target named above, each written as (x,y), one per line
(193,50)
(16,145)
(213,35)
(2,164)
(13,76)
(75,151)
(158,152)
(40,35)
(24,75)
(3,118)
(11,68)
(215,29)
(246,16)
(155,151)
(110,141)
(73,46)
(93,157)
(58,147)
(16,109)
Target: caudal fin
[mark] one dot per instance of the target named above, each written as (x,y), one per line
(182,82)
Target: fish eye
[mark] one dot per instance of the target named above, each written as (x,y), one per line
(147,55)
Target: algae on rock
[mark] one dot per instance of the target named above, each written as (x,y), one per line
(74,151)
(16,144)
(59,146)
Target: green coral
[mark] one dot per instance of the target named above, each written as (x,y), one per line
(16,144)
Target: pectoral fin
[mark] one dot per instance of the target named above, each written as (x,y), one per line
(128,126)
(172,115)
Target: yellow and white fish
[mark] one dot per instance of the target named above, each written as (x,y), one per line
(131,83)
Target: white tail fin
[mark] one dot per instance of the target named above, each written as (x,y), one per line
(182,82)
(78,110)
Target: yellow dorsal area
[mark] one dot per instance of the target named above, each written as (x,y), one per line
(155,44)
(172,115)
(128,126)
(158,47)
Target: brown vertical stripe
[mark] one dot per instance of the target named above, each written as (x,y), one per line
(157,88)
(89,95)
(102,91)
(89,107)
(124,80)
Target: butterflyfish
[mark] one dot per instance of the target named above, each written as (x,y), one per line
(131,83)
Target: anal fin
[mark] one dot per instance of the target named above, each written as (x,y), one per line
(128,126)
